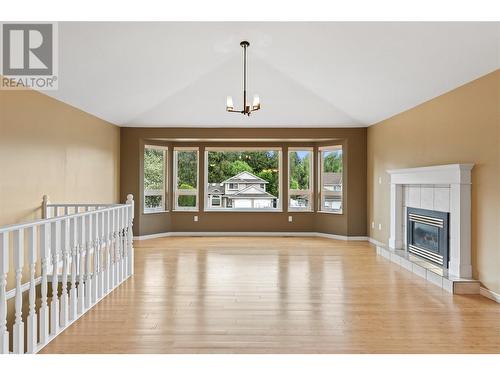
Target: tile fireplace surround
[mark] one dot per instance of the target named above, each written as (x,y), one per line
(444,188)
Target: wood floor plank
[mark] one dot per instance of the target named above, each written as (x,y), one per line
(278,295)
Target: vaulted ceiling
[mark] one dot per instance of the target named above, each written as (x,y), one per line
(306,74)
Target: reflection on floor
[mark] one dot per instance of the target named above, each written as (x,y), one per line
(278,295)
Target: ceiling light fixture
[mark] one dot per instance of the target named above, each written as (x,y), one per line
(247,108)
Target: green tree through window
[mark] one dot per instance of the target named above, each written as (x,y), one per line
(223,165)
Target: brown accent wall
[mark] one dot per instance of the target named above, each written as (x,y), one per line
(351,223)
(461,126)
(49,147)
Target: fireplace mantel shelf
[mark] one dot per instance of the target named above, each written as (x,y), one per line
(435,174)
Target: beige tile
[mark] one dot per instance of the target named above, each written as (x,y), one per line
(395,258)
(434,278)
(405,263)
(427,197)
(442,199)
(419,270)
(414,196)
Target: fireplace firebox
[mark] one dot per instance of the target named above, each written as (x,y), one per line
(427,234)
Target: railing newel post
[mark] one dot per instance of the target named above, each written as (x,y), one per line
(45,209)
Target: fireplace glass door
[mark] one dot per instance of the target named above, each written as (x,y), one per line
(427,234)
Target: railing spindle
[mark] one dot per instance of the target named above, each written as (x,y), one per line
(32,335)
(124,244)
(55,244)
(64,287)
(81,265)
(112,223)
(119,244)
(73,312)
(88,248)
(106,254)
(44,309)
(18,267)
(4,269)
(95,265)
(100,275)
(130,202)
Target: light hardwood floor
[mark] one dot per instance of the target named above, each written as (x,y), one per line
(278,295)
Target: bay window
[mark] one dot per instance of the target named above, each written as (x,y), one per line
(300,179)
(186,178)
(330,179)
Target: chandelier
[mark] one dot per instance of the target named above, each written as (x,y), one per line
(247,108)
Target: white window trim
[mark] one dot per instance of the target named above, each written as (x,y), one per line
(165,181)
(310,191)
(320,179)
(280,170)
(179,192)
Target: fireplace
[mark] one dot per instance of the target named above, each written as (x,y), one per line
(427,235)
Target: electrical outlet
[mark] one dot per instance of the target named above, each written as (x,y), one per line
(195,218)
(290,219)
(380,227)
(373,225)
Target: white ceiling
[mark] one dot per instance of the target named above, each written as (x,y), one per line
(307,74)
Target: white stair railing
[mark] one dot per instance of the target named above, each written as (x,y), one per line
(83,250)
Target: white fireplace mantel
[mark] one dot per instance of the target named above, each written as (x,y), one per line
(458,177)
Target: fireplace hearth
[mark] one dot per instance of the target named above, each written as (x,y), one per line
(427,235)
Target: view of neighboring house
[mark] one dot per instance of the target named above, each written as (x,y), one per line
(245,190)
(332,185)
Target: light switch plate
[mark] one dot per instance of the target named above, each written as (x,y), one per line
(195,218)
(290,219)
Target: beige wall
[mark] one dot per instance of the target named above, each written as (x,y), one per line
(351,223)
(48,147)
(460,126)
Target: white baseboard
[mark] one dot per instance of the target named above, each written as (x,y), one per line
(339,237)
(375,242)
(251,234)
(151,236)
(489,294)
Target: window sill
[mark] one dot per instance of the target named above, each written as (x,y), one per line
(330,212)
(186,210)
(308,210)
(155,212)
(240,210)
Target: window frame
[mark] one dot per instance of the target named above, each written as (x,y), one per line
(165,190)
(310,191)
(185,192)
(333,147)
(278,149)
